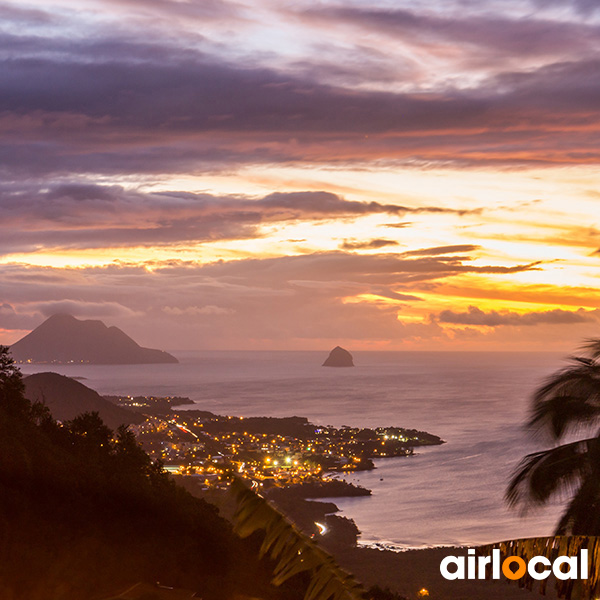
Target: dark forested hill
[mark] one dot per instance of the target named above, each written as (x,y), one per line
(67,398)
(84,513)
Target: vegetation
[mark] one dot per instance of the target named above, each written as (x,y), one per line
(567,404)
(551,548)
(85,513)
(295,555)
(327,488)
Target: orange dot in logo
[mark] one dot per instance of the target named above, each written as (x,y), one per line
(509,573)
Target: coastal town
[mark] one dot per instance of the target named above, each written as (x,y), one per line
(270,452)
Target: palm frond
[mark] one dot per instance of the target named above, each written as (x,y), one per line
(292,551)
(592,347)
(582,515)
(568,400)
(543,474)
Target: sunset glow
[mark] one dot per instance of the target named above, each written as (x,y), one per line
(292,175)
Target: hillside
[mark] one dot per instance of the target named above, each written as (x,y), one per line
(64,339)
(67,398)
(85,514)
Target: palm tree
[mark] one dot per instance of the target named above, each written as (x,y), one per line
(566,406)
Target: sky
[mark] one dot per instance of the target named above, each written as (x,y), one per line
(298,174)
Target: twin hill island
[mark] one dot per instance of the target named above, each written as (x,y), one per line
(64,339)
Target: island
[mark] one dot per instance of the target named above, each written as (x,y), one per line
(64,339)
(339,357)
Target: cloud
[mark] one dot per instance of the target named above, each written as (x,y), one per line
(495,35)
(328,205)
(168,9)
(10,319)
(197,310)
(120,105)
(439,250)
(28,315)
(386,268)
(475,316)
(83,215)
(401,225)
(367,245)
(584,7)
(82,309)
(20,15)
(272,302)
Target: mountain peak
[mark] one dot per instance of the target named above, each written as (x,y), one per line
(62,338)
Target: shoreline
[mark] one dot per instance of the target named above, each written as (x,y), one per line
(398,548)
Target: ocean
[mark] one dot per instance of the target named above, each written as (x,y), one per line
(444,495)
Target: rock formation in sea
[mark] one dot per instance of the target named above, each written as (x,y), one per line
(64,339)
(339,357)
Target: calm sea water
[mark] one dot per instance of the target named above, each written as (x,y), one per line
(450,494)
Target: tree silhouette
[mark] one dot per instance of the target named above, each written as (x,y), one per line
(12,399)
(85,512)
(566,406)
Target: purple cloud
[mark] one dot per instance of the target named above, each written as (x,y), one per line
(82,215)
(475,316)
(119,106)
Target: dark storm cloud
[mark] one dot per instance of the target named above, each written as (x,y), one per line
(475,316)
(114,105)
(83,215)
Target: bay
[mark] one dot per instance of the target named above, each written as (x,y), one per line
(449,494)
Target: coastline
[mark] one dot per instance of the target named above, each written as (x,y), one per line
(394,547)
(417,501)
